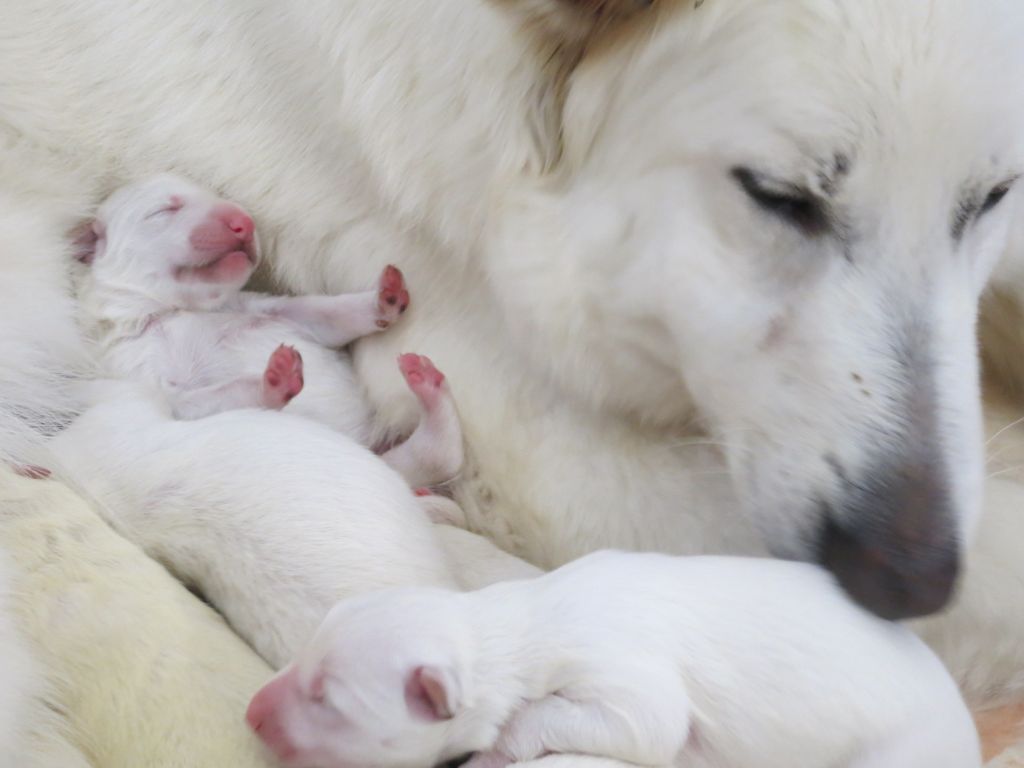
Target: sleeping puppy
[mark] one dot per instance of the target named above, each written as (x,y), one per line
(163,296)
(271,517)
(647,659)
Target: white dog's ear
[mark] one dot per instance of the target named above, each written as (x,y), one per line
(575,20)
(87,240)
(433,693)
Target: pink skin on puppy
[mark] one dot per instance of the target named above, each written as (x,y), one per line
(224,235)
(187,247)
(31,471)
(262,714)
(168,264)
(282,380)
(300,718)
(434,450)
(394,298)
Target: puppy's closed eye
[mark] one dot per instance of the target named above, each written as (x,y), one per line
(168,207)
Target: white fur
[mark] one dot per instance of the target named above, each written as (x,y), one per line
(164,310)
(195,339)
(18,679)
(726,663)
(272,517)
(39,341)
(604,241)
(140,673)
(32,735)
(42,353)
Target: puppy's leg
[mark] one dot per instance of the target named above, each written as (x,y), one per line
(281,381)
(641,718)
(334,321)
(433,452)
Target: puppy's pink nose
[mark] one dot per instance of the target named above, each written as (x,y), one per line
(265,702)
(240,223)
(255,714)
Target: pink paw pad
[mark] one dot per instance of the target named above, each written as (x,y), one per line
(282,379)
(32,471)
(393,298)
(426,382)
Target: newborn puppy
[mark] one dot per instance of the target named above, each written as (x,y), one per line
(648,659)
(164,297)
(272,517)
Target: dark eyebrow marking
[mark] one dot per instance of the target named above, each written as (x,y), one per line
(962,216)
(829,177)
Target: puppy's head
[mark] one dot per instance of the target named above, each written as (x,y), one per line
(171,241)
(378,686)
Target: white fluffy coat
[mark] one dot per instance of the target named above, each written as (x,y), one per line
(573,662)
(513,174)
(273,518)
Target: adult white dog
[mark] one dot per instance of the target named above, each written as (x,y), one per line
(704,278)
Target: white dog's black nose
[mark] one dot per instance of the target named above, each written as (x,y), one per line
(891,577)
(890,535)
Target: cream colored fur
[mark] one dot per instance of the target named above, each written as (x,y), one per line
(143,674)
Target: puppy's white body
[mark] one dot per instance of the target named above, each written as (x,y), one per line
(163,297)
(725,663)
(272,517)
(163,294)
(197,350)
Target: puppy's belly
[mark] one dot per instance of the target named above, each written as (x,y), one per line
(331,394)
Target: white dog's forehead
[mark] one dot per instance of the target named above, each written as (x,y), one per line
(794,83)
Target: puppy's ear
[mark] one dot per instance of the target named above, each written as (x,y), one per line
(87,240)
(575,20)
(433,693)
(257,247)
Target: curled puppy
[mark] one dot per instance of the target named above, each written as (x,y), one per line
(647,659)
(163,296)
(272,517)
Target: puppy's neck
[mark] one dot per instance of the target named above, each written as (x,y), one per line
(114,311)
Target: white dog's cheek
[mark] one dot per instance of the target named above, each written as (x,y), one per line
(715,340)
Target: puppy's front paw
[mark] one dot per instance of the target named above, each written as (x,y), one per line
(282,380)
(392,296)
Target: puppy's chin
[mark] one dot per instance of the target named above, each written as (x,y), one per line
(226,269)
